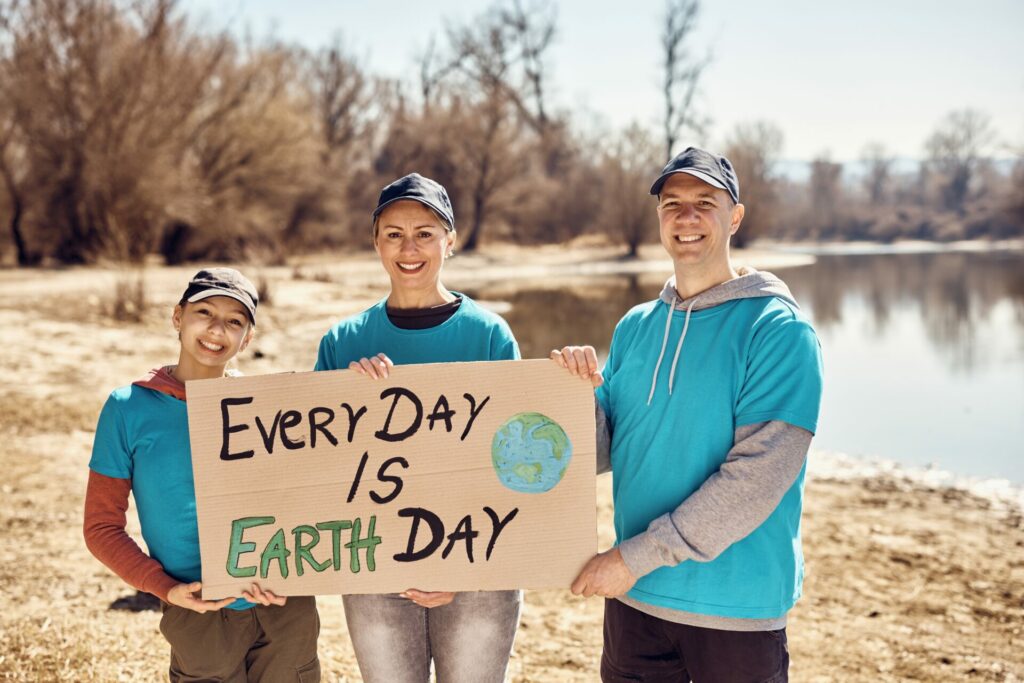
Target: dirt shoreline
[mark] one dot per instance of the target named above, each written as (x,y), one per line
(908,577)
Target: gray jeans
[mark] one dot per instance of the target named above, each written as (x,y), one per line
(469,639)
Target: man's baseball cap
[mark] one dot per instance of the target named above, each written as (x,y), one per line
(711,168)
(223,282)
(423,190)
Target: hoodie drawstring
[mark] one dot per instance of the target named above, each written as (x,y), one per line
(679,346)
(664,343)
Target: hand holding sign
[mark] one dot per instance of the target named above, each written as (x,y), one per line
(580,361)
(428,599)
(183,595)
(375,368)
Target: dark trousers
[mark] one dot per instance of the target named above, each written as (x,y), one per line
(267,644)
(639,647)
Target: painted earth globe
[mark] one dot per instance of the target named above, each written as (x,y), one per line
(531,453)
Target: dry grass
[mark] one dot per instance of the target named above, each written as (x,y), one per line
(904,583)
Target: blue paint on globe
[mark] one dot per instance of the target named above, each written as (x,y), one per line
(531,453)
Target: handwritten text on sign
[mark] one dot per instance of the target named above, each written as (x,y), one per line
(456,476)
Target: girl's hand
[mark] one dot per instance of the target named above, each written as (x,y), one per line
(378,367)
(580,361)
(263,597)
(428,599)
(182,596)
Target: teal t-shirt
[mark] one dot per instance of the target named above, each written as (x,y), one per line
(471,334)
(142,435)
(742,362)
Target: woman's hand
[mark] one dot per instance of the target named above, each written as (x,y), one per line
(263,597)
(378,367)
(580,361)
(428,599)
(182,596)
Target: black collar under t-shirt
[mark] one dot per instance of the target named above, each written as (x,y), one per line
(423,318)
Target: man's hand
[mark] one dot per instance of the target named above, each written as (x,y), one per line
(580,361)
(606,574)
(264,597)
(428,599)
(182,596)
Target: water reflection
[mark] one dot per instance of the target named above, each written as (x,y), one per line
(953,294)
(924,353)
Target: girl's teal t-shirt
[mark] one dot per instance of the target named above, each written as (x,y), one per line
(142,435)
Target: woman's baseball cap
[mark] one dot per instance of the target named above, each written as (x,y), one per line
(428,192)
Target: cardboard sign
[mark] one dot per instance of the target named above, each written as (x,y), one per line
(454,476)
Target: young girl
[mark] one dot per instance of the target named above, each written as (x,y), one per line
(468,635)
(142,447)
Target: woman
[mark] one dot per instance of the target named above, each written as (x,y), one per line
(468,635)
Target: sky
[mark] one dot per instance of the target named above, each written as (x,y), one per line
(832,75)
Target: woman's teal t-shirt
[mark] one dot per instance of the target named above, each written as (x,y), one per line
(471,334)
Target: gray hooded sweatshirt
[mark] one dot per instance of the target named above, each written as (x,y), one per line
(762,465)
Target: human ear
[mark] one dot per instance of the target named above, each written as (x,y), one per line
(450,249)
(738,212)
(247,338)
(176,317)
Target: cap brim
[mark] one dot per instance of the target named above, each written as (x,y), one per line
(438,210)
(207,293)
(700,175)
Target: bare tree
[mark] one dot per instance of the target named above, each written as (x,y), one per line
(101,97)
(682,71)
(344,104)
(826,195)
(253,152)
(505,51)
(14,173)
(489,155)
(753,149)
(877,172)
(955,150)
(492,79)
(626,174)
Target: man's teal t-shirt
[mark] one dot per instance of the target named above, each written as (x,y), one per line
(142,435)
(471,334)
(742,362)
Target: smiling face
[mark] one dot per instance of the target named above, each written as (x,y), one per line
(696,221)
(412,244)
(212,332)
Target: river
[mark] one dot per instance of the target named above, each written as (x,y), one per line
(923,352)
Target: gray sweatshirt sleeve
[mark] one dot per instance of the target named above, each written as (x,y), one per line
(604,439)
(760,467)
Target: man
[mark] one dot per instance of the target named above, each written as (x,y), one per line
(708,438)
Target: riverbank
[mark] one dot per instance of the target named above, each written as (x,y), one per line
(910,575)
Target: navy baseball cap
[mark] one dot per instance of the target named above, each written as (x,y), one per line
(223,282)
(712,169)
(423,190)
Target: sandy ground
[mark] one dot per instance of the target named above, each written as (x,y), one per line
(907,580)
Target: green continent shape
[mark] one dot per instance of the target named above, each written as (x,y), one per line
(528,472)
(554,435)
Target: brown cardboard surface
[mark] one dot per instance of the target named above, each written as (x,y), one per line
(301,485)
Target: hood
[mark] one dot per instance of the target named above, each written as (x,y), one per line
(750,284)
(161,379)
